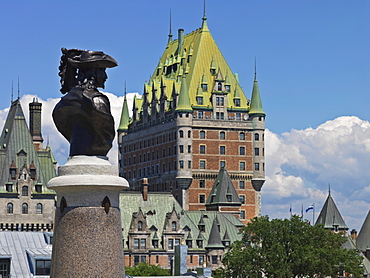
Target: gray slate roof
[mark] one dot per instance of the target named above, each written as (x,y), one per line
(330,216)
(16,245)
(363,238)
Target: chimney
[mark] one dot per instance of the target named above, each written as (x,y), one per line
(35,123)
(354,234)
(144,188)
(181,36)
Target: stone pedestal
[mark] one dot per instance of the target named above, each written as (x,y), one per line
(88,233)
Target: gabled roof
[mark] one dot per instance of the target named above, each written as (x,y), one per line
(16,139)
(363,238)
(223,191)
(330,216)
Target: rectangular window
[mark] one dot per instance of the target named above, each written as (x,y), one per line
(222,164)
(241,136)
(242,166)
(202,198)
(202,184)
(242,199)
(201,260)
(237,102)
(227,88)
(142,243)
(242,214)
(214,259)
(181,149)
(200,114)
(200,100)
(241,150)
(189,148)
(143,259)
(256,166)
(222,150)
(170,243)
(189,164)
(181,164)
(4,267)
(202,149)
(136,243)
(202,164)
(238,116)
(43,267)
(256,151)
(222,135)
(241,184)
(204,87)
(202,134)
(136,260)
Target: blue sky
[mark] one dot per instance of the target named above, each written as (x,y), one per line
(313,66)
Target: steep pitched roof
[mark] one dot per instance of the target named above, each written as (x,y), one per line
(16,145)
(190,59)
(256,102)
(214,240)
(125,118)
(363,238)
(223,191)
(330,216)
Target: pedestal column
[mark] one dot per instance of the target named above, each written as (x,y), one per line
(88,233)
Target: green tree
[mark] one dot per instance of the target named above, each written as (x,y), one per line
(142,269)
(280,248)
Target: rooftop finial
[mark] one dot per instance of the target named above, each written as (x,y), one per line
(255,68)
(329,188)
(18,88)
(204,11)
(12,89)
(125,88)
(170,34)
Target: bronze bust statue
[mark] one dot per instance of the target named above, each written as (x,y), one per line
(83,115)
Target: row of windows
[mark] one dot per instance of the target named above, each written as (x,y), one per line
(202,150)
(202,198)
(10,207)
(202,184)
(38,189)
(160,139)
(201,115)
(222,136)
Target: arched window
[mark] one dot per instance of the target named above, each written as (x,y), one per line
(139,226)
(256,137)
(181,134)
(39,208)
(219,86)
(25,190)
(24,208)
(9,208)
(189,133)
(174,226)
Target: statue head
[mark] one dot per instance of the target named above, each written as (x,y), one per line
(77,66)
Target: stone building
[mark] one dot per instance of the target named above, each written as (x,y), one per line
(192,120)
(25,168)
(154,223)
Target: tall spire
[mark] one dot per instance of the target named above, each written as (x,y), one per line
(204,19)
(256,103)
(170,34)
(12,92)
(255,68)
(125,117)
(18,88)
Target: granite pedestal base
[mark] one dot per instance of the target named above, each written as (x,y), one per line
(88,234)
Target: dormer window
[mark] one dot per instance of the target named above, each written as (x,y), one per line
(204,87)
(9,187)
(25,190)
(155,243)
(12,173)
(140,226)
(33,174)
(202,228)
(219,86)
(200,100)
(227,88)
(229,198)
(219,101)
(200,243)
(237,102)
(38,188)
(174,226)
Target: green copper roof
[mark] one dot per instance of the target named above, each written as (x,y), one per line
(183,104)
(256,103)
(125,118)
(16,145)
(363,238)
(330,216)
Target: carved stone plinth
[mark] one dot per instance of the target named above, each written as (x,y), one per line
(88,234)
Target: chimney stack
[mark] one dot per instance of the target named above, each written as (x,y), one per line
(354,234)
(35,123)
(144,189)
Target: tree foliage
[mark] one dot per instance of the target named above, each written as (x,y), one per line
(143,269)
(288,248)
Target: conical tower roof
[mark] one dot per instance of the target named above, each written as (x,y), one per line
(183,104)
(256,102)
(125,117)
(214,240)
(330,216)
(363,238)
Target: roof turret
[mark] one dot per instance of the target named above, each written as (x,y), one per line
(214,241)
(125,118)
(183,104)
(256,103)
